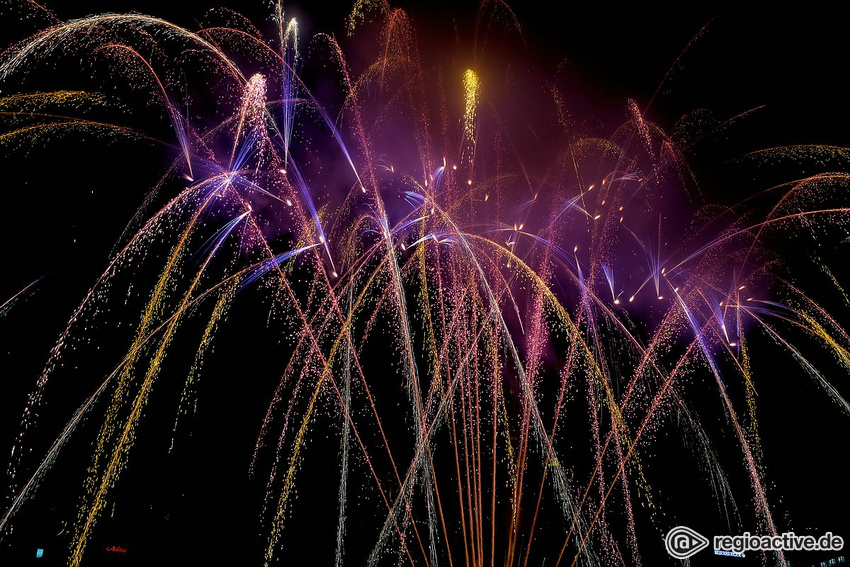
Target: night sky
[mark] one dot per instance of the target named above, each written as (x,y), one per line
(67,206)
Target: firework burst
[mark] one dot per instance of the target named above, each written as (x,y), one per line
(476,359)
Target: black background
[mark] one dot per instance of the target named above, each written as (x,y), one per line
(62,217)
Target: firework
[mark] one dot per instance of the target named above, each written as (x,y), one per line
(466,352)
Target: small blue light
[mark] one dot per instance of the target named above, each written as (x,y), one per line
(39,553)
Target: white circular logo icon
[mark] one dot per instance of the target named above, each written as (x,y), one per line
(683,542)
